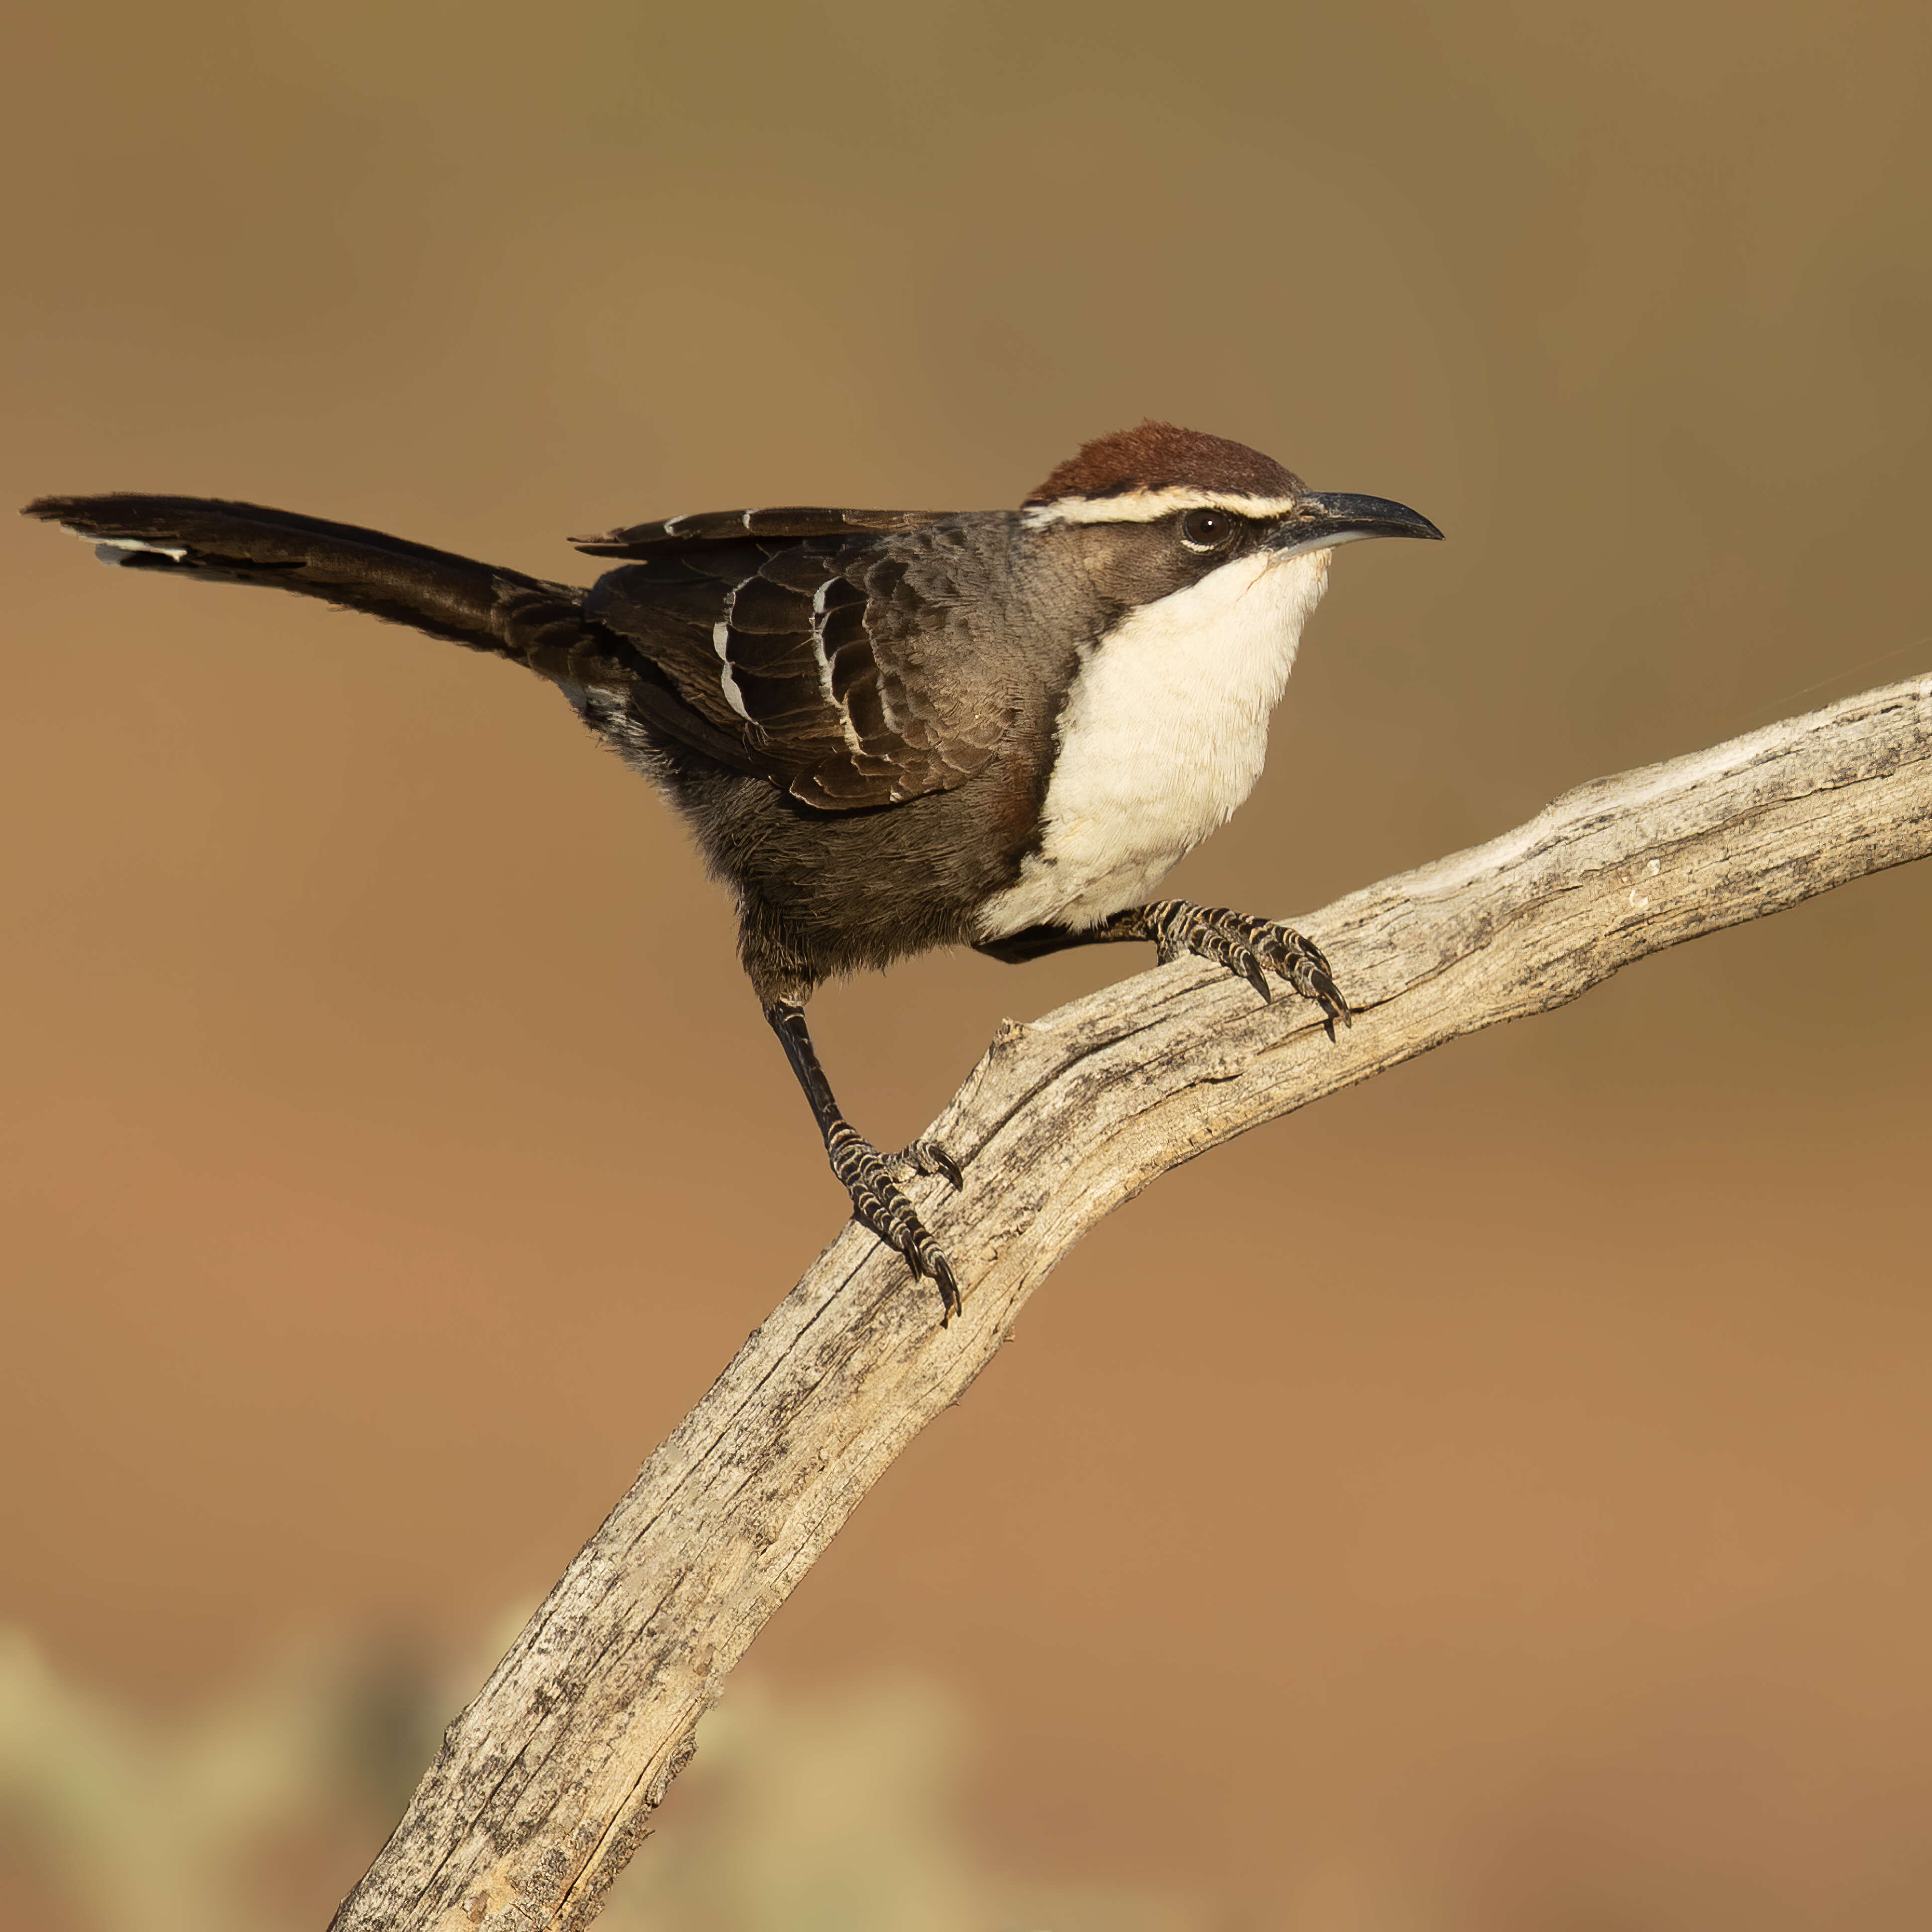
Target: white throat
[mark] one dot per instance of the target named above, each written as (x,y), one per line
(1161,737)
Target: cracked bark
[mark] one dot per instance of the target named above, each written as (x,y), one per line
(544,1783)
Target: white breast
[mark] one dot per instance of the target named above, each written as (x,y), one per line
(1161,738)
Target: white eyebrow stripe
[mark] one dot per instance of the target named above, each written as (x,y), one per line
(1147,506)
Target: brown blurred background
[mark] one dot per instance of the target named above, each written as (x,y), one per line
(1497,1497)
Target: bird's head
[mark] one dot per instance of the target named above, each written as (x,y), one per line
(1156,509)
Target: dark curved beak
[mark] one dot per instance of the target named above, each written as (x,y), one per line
(1323,517)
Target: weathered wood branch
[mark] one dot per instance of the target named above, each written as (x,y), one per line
(544,1784)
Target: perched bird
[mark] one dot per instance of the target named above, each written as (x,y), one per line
(893,730)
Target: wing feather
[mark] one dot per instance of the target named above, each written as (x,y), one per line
(807,643)
(792,526)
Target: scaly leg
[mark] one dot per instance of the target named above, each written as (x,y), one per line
(871,1177)
(1238,940)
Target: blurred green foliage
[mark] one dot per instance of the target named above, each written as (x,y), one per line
(834,1810)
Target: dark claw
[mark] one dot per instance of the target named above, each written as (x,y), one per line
(1245,963)
(946,1164)
(1322,987)
(1313,980)
(878,1204)
(928,1157)
(949,1288)
(922,1255)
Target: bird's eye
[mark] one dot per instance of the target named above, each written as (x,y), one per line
(1209,529)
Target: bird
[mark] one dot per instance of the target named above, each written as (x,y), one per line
(892,730)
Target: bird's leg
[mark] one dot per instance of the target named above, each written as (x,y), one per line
(1238,940)
(871,1177)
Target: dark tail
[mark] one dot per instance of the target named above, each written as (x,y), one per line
(539,624)
(451,597)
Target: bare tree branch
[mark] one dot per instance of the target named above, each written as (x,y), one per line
(543,1786)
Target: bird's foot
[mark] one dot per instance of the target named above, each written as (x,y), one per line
(1248,945)
(872,1179)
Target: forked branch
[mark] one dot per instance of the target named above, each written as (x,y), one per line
(544,1784)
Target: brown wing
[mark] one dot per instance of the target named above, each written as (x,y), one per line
(846,666)
(644,540)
